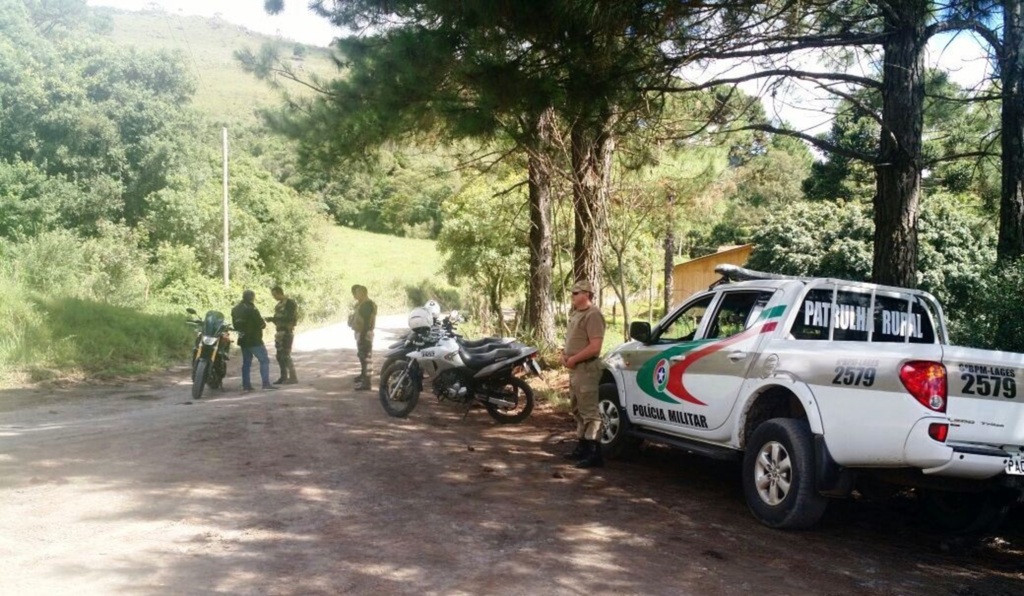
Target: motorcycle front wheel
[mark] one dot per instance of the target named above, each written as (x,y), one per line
(398,393)
(518,396)
(199,377)
(218,371)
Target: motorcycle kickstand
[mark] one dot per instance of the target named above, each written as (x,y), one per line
(465,414)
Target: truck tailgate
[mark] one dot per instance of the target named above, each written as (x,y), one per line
(986,398)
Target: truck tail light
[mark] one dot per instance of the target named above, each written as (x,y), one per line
(938,431)
(926,381)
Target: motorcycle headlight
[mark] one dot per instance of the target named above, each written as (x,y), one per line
(210,341)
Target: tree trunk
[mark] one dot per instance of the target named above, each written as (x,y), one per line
(620,292)
(899,162)
(670,252)
(592,147)
(1011,66)
(495,295)
(540,318)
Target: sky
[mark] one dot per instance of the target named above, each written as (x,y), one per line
(799,104)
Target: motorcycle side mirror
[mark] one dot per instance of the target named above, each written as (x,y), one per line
(191,311)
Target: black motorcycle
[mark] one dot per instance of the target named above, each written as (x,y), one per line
(210,354)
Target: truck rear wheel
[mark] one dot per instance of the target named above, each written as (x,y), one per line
(616,442)
(778,475)
(964,513)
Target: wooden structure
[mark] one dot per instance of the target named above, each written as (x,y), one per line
(697,274)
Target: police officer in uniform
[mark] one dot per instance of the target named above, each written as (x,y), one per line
(362,321)
(286,316)
(583,339)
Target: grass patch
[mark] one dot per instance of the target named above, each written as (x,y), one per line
(398,272)
(49,338)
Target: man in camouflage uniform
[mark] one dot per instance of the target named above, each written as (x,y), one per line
(583,338)
(362,321)
(286,315)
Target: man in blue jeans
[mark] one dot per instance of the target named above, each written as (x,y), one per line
(249,323)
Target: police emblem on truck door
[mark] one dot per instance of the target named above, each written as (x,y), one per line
(702,377)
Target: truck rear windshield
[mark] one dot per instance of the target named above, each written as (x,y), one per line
(856,314)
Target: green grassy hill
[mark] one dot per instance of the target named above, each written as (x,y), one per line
(224,91)
(390,267)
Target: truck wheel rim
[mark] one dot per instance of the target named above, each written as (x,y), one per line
(610,420)
(773,473)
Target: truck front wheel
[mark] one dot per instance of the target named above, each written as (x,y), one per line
(615,439)
(778,475)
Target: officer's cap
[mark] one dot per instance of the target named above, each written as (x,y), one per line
(583,286)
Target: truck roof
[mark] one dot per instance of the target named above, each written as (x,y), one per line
(734,273)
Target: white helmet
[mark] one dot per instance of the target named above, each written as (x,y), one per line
(420,318)
(433,308)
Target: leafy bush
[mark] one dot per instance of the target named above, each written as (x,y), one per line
(991,317)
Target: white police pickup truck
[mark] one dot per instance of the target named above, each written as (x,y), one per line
(822,386)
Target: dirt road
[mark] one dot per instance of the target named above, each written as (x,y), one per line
(134,489)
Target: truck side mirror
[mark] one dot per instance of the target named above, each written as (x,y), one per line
(640,331)
(190,310)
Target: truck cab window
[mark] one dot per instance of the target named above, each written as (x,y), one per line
(684,324)
(737,311)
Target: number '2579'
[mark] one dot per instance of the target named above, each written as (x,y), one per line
(988,385)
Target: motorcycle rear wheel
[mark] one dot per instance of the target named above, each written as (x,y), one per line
(199,377)
(398,393)
(515,390)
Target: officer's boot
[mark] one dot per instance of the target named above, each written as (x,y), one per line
(284,371)
(578,452)
(363,380)
(292,379)
(593,459)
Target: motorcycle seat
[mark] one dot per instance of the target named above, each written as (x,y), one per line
(478,361)
(486,348)
(478,343)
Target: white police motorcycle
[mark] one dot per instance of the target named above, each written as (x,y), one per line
(459,372)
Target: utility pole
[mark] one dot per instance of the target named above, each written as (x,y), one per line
(227,268)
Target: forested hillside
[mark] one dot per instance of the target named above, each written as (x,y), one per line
(111,189)
(528,170)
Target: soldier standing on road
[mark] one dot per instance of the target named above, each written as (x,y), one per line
(286,316)
(362,321)
(249,323)
(583,338)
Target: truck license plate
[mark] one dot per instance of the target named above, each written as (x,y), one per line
(1015,465)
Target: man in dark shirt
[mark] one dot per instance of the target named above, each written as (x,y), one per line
(248,322)
(286,315)
(362,321)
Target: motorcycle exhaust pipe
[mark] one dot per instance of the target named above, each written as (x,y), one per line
(504,403)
